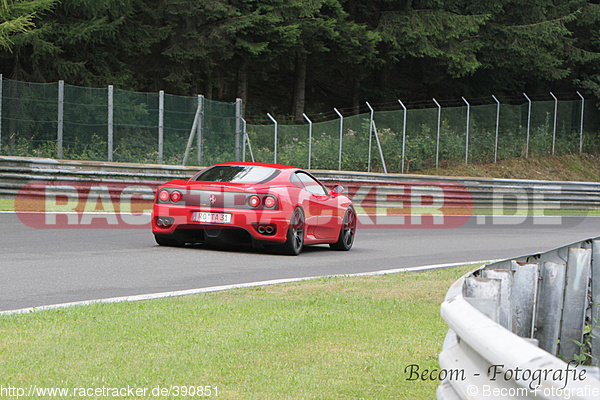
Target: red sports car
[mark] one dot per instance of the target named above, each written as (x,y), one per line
(253,203)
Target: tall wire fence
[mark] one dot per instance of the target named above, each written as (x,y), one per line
(416,139)
(58,120)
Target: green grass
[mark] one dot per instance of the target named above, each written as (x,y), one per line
(9,205)
(538,212)
(331,338)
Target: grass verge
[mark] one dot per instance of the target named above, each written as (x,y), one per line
(9,205)
(331,338)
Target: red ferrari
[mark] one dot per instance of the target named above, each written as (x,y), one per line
(256,204)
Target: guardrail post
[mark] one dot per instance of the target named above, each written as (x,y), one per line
(403,134)
(524,292)
(61,105)
(238,128)
(497,129)
(550,303)
(439,123)
(110,122)
(341,136)
(595,301)
(483,294)
(370,134)
(467,134)
(528,125)
(573,318)
(581,124)
(161,124)
(555,115)
(274,139)
(309,138)
(506,277)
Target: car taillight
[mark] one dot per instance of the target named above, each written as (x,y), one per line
(163,195)
(270,201)
(254,201)
(175,196)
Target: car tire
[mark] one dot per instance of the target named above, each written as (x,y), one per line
(166,240)
(295,235)
(347,231)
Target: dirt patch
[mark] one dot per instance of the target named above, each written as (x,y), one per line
(554,168)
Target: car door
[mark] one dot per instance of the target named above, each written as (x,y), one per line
(309,204)
(322,206)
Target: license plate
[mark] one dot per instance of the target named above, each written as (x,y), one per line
(211,218)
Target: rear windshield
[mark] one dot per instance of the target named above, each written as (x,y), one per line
(237,174)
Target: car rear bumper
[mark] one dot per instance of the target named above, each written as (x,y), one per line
(262,225)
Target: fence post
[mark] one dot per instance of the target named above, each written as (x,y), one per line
(238,128)
(247,139)
(581,126)
(528,125)
(244,140)
(437,146)
(309,138)
(555,114)
(275,139)
(110,122)
(1,81)
(379,147)
(403,134)
(341,135)
(370,134)
(467,135)
(192,132)
(200,129)
(497,126)
(61,105)
(161,124)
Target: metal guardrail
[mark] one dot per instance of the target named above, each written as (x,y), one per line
(482,193)
(51,167)
(375,191)
(16,172)
(516,325)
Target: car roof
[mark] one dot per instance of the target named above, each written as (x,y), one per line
(269,165)
(282,178)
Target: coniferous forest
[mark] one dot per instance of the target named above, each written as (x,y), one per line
(287,57)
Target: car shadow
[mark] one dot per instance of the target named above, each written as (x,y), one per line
(309,249)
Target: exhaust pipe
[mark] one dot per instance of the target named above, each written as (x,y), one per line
(261,229)
(165,222)
(269,229)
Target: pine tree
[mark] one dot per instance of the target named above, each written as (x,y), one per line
(18,17)
(84,42)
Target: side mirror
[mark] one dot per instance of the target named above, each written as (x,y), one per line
(337,189)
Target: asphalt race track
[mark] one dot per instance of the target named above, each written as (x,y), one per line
(50,266)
